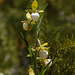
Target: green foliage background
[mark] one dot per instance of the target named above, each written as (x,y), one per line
(59,32)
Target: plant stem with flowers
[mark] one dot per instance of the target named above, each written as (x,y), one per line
(41,51)
(27,25)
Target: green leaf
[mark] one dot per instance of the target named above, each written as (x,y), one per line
(24,39)
(45,6)
(30,51)
(28,46)
(54,61)
(38,28)
(35,63)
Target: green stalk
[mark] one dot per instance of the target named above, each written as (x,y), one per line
(28,47)
(35,63)
(37,37)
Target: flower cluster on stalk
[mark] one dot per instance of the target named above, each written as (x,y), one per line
(43,54)
(32,16)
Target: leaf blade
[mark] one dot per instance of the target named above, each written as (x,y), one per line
(28,46)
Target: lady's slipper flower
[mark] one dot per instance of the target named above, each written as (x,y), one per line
(45,62)
(43,54)
(32,16)
(31,72)
(43,51)
(34,12)
(27,25)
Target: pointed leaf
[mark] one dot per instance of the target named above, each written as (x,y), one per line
(29,48)
(30,51)
(45,6)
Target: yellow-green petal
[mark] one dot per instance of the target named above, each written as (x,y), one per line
(41,11)
(28,15)
(30,10)
(34,5)
(31,72)
(45,44)
(29,27)
(23,21)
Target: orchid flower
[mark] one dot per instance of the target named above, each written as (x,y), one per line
(34,12)
(45,62)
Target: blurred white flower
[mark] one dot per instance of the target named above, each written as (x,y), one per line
(1,74)
(7,57)
(12,70)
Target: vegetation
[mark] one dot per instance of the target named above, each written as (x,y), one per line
(56,27)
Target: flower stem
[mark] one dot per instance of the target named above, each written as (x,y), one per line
(37,37)
(35,63)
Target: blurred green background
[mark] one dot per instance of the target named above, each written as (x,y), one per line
(12,47)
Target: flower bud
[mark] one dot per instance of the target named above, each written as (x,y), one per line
(43,54)
(35,16)
(47,61)
(25,25)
